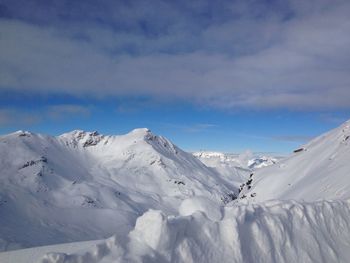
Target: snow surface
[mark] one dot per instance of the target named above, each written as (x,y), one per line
(271,232)
(163,205)
(84,186)
(319,170)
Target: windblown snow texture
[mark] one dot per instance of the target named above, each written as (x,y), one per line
(274,231)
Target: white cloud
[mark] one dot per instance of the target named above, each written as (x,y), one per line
(298,63)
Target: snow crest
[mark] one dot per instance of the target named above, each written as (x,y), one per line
(271,232)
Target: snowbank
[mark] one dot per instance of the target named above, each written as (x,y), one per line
(274,231)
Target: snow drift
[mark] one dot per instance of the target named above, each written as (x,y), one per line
(273,231)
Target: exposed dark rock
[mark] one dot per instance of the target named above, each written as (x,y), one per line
(34,162)
(179,182)
(94,133)
(29,163)
(299,150)
(228,198)
(24,134)
(90,142)
(241,188)
(88,201)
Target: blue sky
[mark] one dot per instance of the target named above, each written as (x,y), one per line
(216,75)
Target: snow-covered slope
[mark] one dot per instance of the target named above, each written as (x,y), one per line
(166,223)
(317,170)
(270,232)
(227,165)
(83,185)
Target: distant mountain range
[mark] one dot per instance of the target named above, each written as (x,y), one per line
(161,204)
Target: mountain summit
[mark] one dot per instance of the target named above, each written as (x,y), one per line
(48,182)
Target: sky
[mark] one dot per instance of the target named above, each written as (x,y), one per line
(263,75)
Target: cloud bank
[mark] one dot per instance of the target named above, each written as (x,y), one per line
(224,54)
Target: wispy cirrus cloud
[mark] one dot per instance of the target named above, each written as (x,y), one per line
(241,54)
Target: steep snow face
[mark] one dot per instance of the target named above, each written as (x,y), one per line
(271,232)
(317,170)
(83,185)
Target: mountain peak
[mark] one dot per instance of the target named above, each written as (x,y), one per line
(80,133)
(22,133)
(142,134)
(83,137)
(142,131)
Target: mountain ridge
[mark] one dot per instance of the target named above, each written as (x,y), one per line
(317,170)
(96,175)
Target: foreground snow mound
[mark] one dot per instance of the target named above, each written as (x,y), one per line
(208,207)
(47,184)
(315,171)
(270,232)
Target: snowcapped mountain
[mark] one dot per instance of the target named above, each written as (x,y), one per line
(239,165)
(163,204)
(262,161)
(229,166)
(317,170)
(83,185)
(214,159)
(246,160)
